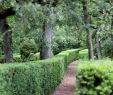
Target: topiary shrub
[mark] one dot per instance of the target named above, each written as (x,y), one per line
(28,46)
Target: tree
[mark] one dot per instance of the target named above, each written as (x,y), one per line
(98,49)
(7,38)
(7,9)
(46,45)
(87,20)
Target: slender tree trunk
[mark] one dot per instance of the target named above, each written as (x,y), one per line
(46,46)
(7,40)
(89,33)
(98,46)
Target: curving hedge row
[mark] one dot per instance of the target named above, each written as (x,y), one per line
(35,78)
(69,55)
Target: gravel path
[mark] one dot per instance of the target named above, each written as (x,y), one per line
(67,87)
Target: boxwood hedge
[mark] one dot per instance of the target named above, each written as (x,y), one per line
(35,77)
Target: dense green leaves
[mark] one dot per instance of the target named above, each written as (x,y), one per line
(28,46)
(95,78)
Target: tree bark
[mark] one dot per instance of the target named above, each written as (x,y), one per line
(89,33)
(7,40)
(98,46)
(46,46)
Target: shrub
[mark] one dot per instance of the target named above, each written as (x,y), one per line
(64,43)
(95,78)
(17,57)
(83,54)
(1,59)
(35,77)
(32,57)
(28,46)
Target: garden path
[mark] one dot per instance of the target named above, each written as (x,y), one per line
(67,86)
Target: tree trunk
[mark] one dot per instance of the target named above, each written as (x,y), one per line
(7,40)
(46,47)
(89,33)
(1,46)
(98,49)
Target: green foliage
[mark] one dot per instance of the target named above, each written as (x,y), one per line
(19,79)
(107,44)
(52,72)
(68,15)
(64,43)
(95,78)
(5,4)
(28,46)
(83,54)
(64,38)
(69,55)
(34,78)
(17,57)
(1,59)
(34,57)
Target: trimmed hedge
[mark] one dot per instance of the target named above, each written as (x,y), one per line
(95,78)
(69,55)
(34,78)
